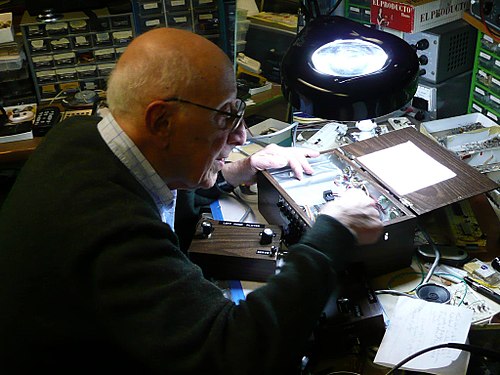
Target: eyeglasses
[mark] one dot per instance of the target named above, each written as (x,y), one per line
(233,119)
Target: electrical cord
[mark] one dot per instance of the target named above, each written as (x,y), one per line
(248,208)
(334,8)
(426,279)
(452,345)
(394,293)
(436,253)
(495,34)
(313,5)
(58,95)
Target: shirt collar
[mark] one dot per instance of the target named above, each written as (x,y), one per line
(130,155)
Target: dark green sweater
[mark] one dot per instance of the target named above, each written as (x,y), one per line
(92,281)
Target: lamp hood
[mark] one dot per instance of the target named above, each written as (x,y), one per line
(317,77)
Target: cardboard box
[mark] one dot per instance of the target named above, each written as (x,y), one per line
(412,16)
(472,137)
(6,28)
(271,131)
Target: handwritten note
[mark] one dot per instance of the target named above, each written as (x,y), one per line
(417,325)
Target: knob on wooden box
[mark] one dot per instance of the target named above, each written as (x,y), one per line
(228,250)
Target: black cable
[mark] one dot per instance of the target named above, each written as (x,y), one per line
(334,8)
(452,345)
(314,8)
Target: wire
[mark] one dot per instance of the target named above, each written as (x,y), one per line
(248,208)
(334,8)
(452,345)
(60,93)
(394,293)
(316,7)
(466,287)
(305,11)
(495,34)
(436,253)
(395,277)
(245,215)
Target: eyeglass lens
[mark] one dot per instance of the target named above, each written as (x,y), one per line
(239,106)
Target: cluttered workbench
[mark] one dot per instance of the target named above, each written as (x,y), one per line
(466,230)
(454,212)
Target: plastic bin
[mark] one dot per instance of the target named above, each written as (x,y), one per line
(11,62)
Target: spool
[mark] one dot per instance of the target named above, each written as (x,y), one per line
(433,293)
(86,96)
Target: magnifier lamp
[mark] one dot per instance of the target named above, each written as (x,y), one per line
(338,69)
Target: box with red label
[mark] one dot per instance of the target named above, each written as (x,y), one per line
(412,16)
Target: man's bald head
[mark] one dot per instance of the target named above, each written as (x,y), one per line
(166,62)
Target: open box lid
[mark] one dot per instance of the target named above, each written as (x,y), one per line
(465,183)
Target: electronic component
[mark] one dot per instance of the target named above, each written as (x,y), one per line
(461,296)
(352,313)
(486,292)
(45,119)
(444,51)
(86,99)
(229,250)
(433,293)
(482,271)
(399,122)
(294,204)
(472,137)
(328,137)
(487,11)
(441,100)
(495,263)
(464,226)
(77,112)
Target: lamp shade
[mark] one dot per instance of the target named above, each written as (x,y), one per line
(341,70)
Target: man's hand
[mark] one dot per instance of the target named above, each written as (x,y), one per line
(357,212)
(272,156)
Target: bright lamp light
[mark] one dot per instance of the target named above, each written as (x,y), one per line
(342,70)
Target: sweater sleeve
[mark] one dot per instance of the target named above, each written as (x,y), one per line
(162,309)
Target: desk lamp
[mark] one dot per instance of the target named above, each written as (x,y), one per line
(338,69)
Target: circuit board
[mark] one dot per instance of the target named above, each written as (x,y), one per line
(464,227)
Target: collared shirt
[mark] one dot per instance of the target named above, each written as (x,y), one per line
(128,153)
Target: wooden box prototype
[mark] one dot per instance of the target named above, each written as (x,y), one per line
(235,250)
(293,204)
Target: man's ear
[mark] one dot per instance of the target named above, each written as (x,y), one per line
(158,118)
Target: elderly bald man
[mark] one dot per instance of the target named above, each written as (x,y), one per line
(94,279)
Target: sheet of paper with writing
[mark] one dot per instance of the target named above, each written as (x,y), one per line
(418,324)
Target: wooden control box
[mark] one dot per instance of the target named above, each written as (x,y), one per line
(228,250)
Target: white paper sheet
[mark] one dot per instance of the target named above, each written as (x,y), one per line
(418,324)
(406,168)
